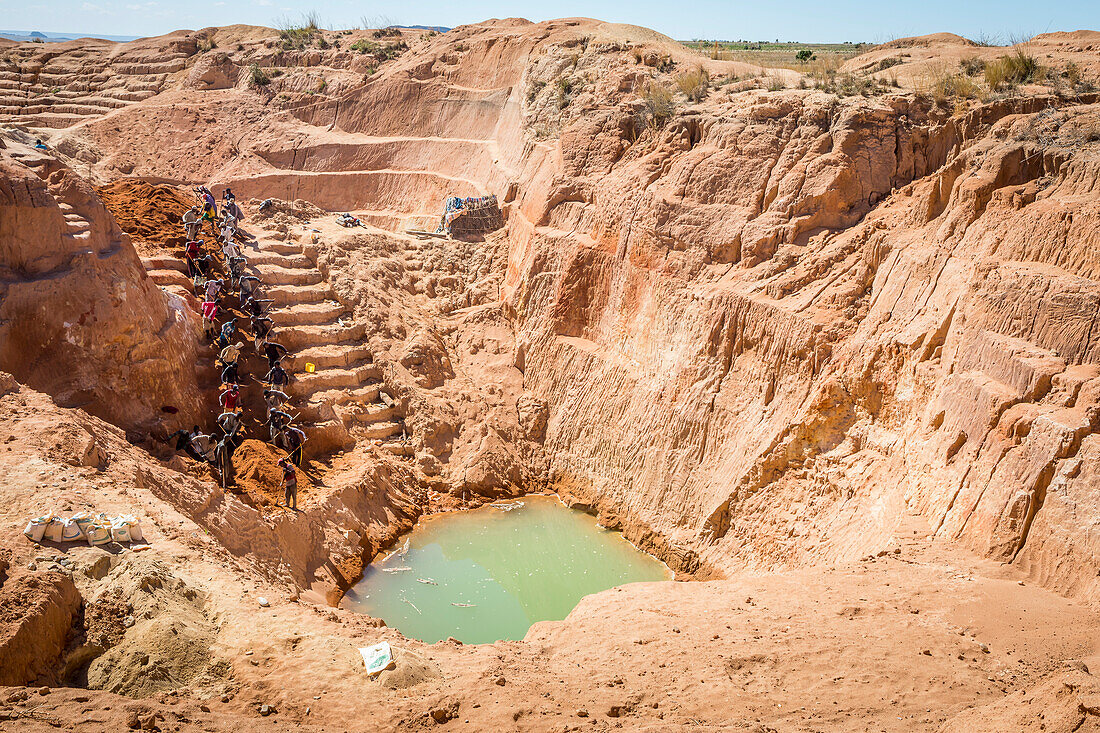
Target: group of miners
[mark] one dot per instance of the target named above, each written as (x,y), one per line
(218,280)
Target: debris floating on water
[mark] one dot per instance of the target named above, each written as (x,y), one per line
(395,570)
(406,600)
(400,553)
(463,605)
(507,506)
(426,581)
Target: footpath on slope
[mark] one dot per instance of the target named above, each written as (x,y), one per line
(337,392)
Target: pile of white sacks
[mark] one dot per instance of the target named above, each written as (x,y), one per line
(97,529)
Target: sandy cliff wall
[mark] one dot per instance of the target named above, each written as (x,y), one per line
(772,331)
(79,319)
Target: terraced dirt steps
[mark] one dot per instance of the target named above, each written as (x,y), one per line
(48,88)
(78,225)
(343,398)
(167,271)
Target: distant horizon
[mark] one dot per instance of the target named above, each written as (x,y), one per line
(67,36)
(797,21)
(77,35)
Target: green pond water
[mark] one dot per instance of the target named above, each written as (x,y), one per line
(533,563)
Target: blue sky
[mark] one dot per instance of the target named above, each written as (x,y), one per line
(802,20)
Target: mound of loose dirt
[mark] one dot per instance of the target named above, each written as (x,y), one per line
(151,213)
(165,653)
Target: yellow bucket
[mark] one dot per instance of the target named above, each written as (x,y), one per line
(310,367)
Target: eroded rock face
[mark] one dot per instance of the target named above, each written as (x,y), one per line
(78,317)
(877,346)
(36,619)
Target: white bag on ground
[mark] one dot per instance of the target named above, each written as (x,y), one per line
(36,528)
(83,520)
(132,522)
(120,530)
(377,658)
(99,533)
(54,529)
(71,531)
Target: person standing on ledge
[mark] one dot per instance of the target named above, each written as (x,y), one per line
(191,222)
(290,482)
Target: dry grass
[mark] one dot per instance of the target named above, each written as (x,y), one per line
(778,56)
(972,66)
(825,69)
(659,103)
(827,77)
(1018,67)
(948,88)
(694,84)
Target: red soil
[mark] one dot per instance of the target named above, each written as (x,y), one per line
(151,213)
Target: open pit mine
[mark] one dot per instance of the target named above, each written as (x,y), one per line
(611,384)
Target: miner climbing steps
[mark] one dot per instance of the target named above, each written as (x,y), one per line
(342,399)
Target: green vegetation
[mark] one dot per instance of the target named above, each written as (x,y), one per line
(790,55)
(565,88)
(257,76)
(889,62)
(1018,67)
(380,52)
(300,35)
(387,32)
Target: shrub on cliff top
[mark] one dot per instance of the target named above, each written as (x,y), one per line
(1019,67)
(297,36)
(948,88)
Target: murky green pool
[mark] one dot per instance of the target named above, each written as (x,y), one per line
(489,574)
